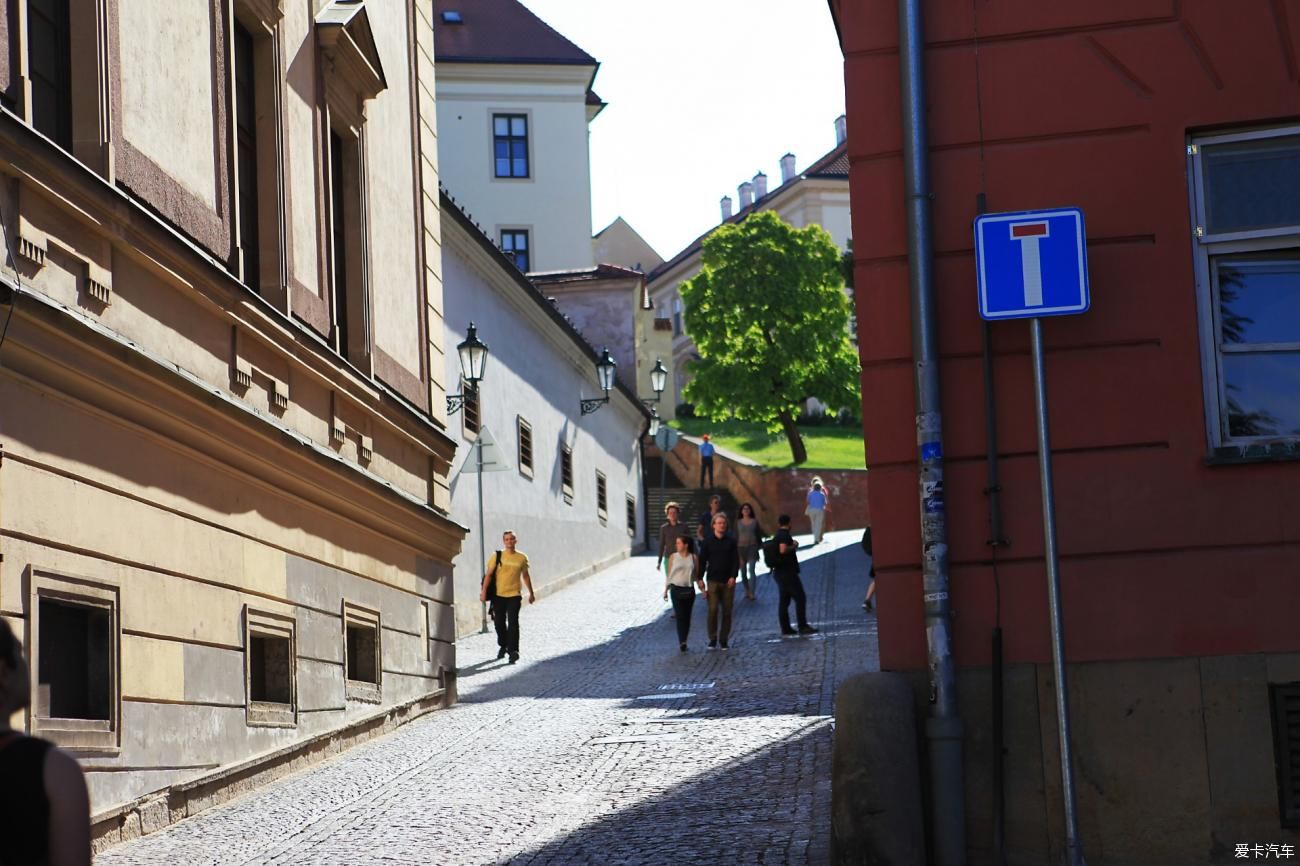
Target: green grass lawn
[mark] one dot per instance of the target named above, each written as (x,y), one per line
(829,447)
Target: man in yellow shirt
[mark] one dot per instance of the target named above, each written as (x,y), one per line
(511,569)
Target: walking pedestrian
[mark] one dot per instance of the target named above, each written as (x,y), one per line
(871,569)
(670,529)
(719,563)
(818,505)
(786,573)
(706,519)
(706,460)
(748,536)
(43,801)
(510,568)
(683,572)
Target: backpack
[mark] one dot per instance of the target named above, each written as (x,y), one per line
(492,579)
(771,553)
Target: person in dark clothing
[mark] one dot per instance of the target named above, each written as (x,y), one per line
(720,563)
(44,807)
(706,519)
(871,570)
(706,460)
(786,574)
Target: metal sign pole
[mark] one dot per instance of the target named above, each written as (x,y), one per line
(482,546)
(1073,846)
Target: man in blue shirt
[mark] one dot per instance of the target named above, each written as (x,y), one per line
(817,508)
(706,460)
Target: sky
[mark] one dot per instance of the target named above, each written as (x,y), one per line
(703,94)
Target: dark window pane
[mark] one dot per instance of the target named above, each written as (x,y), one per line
(1259,297)
(362,654)
(502,149)
(75,650)
(1263,393)
(1252,184)
(338,243)
(270,675)
(50,65)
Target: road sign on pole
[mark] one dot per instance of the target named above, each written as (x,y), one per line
(1029,265)
(666,438)
(493,459)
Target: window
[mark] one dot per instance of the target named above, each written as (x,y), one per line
(270,662)
(1284,699)
(1248,270)
(602,502)
(510,145)
(352,74)
(76,644)
(514,243)
(470,421)
(677,317)
(246,153)
(631,515)
(66,78)
(362,654)
(525,447)
(49,56)
(566,473)
(345,245)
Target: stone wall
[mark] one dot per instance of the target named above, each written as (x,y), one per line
(776,491)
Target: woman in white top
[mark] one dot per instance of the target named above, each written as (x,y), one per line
(683,570)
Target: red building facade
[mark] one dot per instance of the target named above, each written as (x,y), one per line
(1175,405)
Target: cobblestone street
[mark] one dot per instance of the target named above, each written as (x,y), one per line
(603,745)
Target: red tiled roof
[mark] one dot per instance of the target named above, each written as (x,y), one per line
(499,31)
(833,164)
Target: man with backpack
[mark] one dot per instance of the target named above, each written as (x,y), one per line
(779,555)
(503,581)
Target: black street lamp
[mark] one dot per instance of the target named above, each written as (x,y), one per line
(605,369)
(658,380)
(473,354)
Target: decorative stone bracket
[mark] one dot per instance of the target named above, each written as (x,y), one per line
(243,371)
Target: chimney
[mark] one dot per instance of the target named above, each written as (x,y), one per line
(787,168)
(841,129)
(746,191)
(726,208)
(760,185)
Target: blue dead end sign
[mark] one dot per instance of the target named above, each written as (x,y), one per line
(1031,264)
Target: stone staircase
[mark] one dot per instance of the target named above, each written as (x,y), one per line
(694,501)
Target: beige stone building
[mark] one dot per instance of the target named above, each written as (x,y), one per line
(223,457)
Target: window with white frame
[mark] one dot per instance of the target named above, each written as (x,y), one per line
(677,317)
(602,497)
(1247,241)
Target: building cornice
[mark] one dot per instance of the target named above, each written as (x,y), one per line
(111,213)
(63,349)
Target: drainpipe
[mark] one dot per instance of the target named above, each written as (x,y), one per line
(943,729)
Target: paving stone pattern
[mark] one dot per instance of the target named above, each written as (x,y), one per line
(563,759)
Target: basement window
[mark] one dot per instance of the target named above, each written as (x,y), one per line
(361,638)
(270,662)
(1284,699)
(75,641)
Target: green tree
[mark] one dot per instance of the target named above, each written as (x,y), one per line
(769,317)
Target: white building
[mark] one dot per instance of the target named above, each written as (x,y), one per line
(817,196)
(514,100)
(572,490)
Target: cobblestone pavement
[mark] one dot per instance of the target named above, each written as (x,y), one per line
(604,745)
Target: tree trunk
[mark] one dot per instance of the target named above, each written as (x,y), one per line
(797,449)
